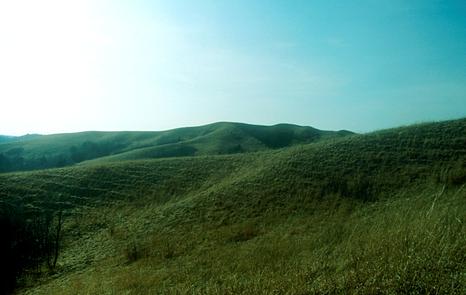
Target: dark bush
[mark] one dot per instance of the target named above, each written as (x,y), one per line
(29,239)
(244,234)
(9,268)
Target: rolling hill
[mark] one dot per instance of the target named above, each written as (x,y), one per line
(6,138)
(383,212)
(39,152)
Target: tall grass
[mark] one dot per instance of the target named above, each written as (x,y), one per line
(409,244)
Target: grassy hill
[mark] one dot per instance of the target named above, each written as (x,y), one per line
(60,150)
(6,138)
(383,212)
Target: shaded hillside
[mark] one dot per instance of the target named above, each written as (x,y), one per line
(377,213)
(4,138)
(61,150)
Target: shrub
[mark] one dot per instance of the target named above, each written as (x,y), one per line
(133,251)
(245,233)
(30,237)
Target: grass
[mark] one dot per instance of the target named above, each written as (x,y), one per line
(404,245)
(377,213)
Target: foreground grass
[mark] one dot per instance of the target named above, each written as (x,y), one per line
(409,244)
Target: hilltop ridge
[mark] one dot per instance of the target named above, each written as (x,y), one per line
(60,150)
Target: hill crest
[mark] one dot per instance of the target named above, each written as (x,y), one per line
(65,149)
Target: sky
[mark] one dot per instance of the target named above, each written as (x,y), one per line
(363,65)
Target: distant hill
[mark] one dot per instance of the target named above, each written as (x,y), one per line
(39,152)
(6,138)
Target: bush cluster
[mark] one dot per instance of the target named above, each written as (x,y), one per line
(30,239)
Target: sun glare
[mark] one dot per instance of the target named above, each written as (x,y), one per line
(45,60)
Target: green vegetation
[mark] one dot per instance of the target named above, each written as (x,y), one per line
(59,150)
(4,138)
(383,212)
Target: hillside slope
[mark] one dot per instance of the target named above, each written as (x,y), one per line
(381,162)
(6,138)
(61,150)
(377,213)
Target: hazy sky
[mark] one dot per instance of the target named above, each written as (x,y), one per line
(69,66)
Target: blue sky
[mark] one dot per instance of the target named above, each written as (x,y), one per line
(151,65)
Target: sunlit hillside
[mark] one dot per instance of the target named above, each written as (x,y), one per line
(382,212)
